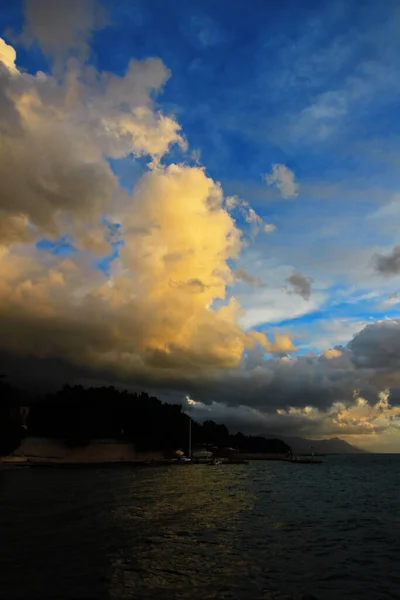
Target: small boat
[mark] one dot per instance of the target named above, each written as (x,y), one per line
(304,460)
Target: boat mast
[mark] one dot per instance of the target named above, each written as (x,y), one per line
(190,438)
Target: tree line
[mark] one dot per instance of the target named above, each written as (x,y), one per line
(77,415)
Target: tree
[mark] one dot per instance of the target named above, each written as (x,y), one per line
(11,431)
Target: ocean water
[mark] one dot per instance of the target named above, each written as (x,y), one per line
(266,530)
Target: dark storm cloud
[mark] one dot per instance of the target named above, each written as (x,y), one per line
(301,285)
(306,395)
(388,264)
(253,422)
(243,275)
(270,385)
(377,346)
(284,383)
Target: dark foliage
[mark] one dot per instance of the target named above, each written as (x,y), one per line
(77,415)
(11,431)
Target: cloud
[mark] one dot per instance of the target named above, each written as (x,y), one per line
(283,179)
(336,393)
(248,278)
(269,228)
(388,264)
(273,304)
(377,346)
(152,318)
(390,210)
(332,353)
(357,419)
(301,285)
(303,396)
(203,32)
(7,56)
(62,28)
(392,300)
(56,138)
(242,208)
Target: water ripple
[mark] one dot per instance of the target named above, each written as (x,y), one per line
(268,530)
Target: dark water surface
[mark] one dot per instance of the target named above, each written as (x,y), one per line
(264,530)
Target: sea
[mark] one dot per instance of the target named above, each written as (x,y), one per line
(266,530)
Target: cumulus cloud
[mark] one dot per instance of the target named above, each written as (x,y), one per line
(378,345)
(153,318)
(57,136)
(283,179)
(62,28)
(300,284)
(269,228)
(330,394)
(388,264)
(357,419)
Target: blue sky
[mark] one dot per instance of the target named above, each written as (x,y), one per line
(312,85)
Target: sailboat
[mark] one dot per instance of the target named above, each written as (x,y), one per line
(188,458)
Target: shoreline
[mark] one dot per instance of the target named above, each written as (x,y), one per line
(36,462)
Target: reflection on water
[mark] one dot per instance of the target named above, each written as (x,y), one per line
(179,535)
(264,530)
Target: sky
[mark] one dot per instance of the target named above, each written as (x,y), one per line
(202,199)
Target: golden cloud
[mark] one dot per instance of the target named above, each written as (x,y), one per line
(155,314)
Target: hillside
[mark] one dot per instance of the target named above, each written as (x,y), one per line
(329,446)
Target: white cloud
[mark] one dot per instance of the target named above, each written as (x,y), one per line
(272,305)
(237,206)
(269,228)
(389,210)
(283,179)
(332,332)
(391,300)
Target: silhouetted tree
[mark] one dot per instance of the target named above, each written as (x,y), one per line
(11,430)
(78,415)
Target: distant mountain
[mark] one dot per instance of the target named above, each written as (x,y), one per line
(330,446)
